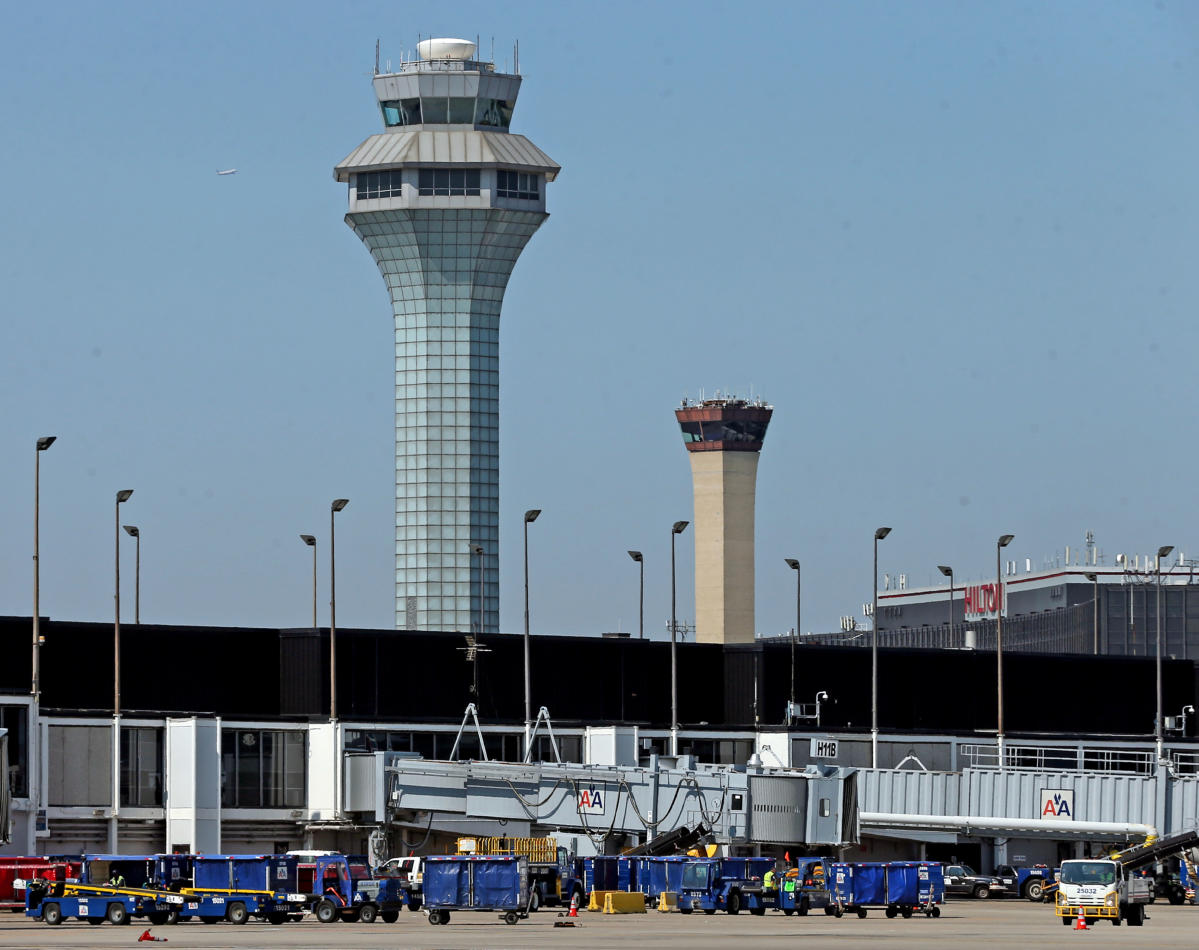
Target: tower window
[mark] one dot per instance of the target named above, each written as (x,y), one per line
(379,184)
(449,181)
(517,185)
(401,112)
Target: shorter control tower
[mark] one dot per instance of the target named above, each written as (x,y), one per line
(723,439)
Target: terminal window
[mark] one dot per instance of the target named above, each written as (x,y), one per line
(518,185)
(379,184)
(449,181)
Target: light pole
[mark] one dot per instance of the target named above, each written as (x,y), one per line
(338,505)
(122,497)
(310,540)
(1094,579)
(636,556)
(530,517)
(676,529)
(43,443)
(879,534)
(1003,542)
(1163,551)
(134,532)
(948,572)
(793,563)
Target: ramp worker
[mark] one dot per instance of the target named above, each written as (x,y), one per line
(768,880)
(117,879)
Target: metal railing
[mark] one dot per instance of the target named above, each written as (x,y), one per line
(1025,758)
(1184,763)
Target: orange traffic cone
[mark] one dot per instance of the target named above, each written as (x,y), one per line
(574,905)
(1081,922)
(146,936)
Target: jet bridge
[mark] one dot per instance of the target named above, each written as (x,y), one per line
(741,806)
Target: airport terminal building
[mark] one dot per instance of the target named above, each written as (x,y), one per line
(225,744)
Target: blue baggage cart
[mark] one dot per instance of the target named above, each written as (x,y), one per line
(858,886)
(931,893)
(476,882)
(654,875)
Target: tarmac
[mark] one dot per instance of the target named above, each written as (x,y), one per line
(1013,924)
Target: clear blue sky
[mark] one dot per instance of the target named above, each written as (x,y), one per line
(954,244)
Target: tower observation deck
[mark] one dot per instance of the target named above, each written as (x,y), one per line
(445,199)
(723,439)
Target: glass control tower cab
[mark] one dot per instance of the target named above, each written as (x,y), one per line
(445,199)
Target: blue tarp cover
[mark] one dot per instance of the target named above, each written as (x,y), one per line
(869,884)
(446,883)
(903,883)
(497,885)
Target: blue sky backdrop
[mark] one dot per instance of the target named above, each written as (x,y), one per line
(954,244)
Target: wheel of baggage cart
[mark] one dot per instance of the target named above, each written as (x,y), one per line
(733,905)
(891,911)
(367,913)
(445,917)
(788,911)
(94,921)
(173,915)
(907,912)
(52,914)
(861,912)
(414,904)
(757,911)
(326,911)
(157,917)
(237,914)
(434,916)
(117,914)
(685,910)
(936,911)
(510,917)
(829,910)
(277,917)
(804,907)
(838,911)
(390,916)
(1033,891)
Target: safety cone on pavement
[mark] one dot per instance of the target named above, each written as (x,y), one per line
(574,905)
(1081,922)
(146,936)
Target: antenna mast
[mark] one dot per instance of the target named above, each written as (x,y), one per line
(376,57)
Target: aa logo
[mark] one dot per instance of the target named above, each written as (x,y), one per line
(1057,803)
(591,800)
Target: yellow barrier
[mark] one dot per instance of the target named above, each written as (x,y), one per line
(668,903)
(596,902)
(624,902)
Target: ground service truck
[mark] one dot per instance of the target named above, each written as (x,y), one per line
(1101,889)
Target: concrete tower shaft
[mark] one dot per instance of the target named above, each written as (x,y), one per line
(723,439)
(445,199)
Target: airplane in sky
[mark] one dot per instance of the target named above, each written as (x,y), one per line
(227,171)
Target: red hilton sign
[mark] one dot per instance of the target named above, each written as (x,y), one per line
(983,599)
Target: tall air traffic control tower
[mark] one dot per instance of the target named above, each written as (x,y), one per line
(445,199)
(723,438)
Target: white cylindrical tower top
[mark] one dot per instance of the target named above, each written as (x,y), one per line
(446,49)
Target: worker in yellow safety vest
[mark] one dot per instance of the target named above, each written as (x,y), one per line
(768,880)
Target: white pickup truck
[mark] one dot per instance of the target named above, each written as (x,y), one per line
(1100,889)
